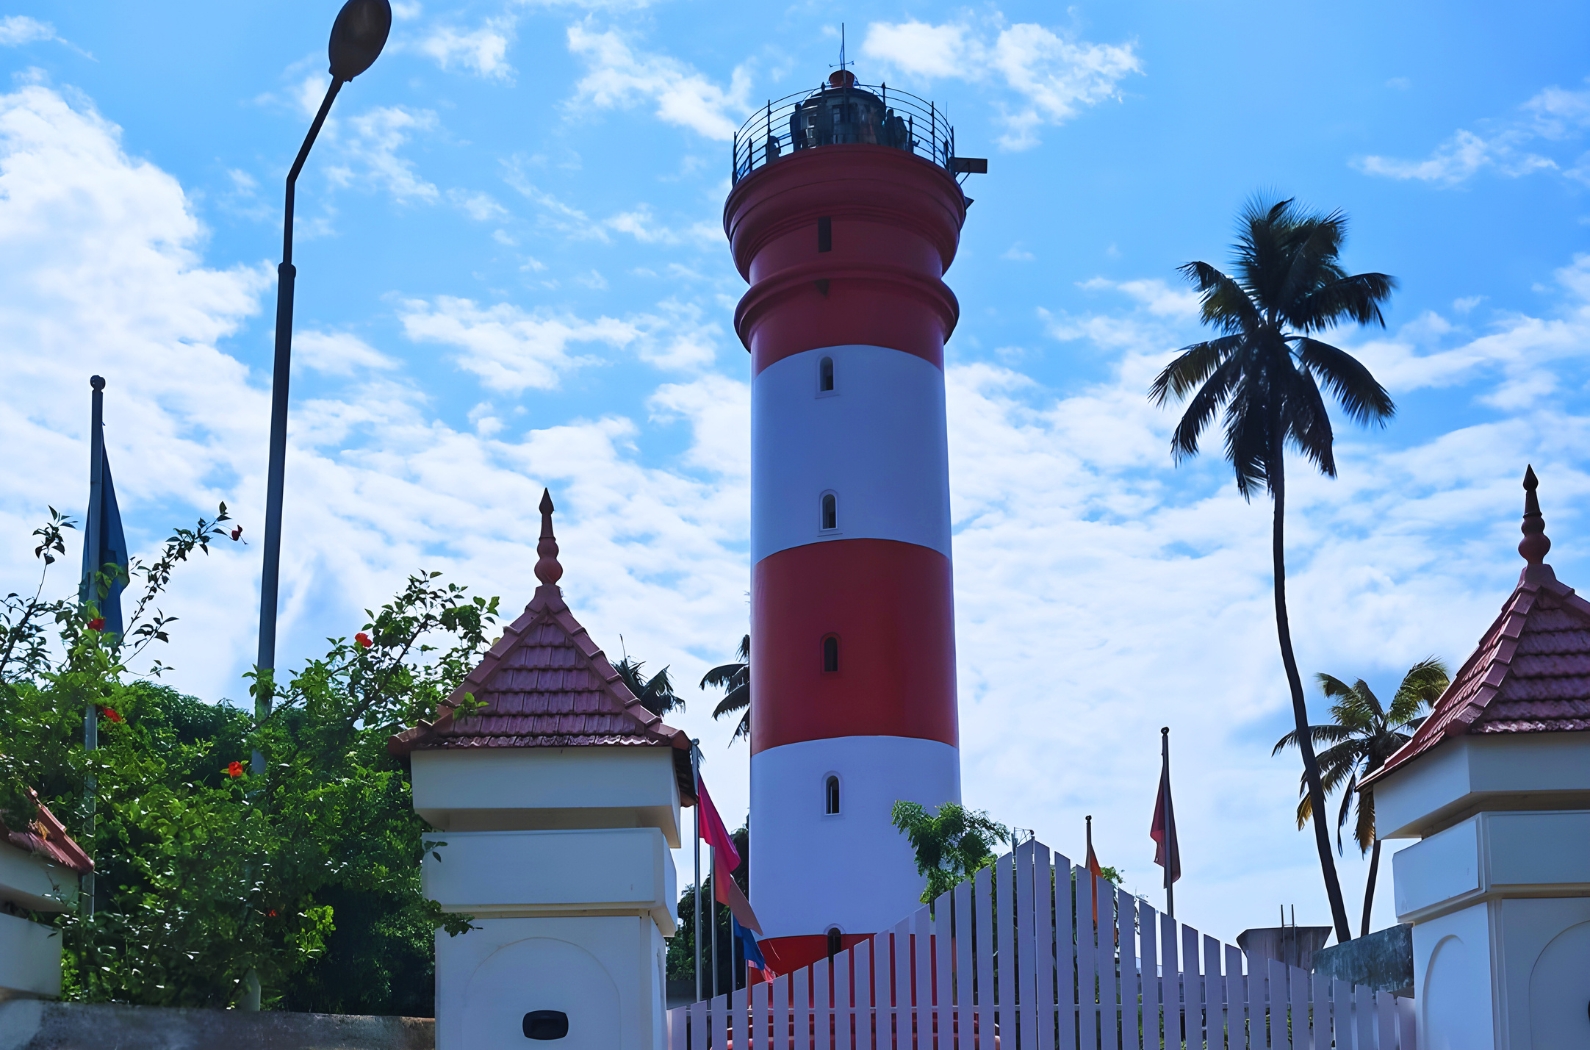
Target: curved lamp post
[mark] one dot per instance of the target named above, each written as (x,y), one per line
(357,37)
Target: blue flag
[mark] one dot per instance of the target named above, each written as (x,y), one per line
(104,544)
(753,953)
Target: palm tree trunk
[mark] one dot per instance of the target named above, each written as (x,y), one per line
(1369,890)
(1316,794)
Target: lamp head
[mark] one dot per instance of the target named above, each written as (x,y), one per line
(357,36)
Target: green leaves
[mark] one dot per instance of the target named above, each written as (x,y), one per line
(951,845)
(308,875)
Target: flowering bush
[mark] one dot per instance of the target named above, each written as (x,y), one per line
(307,876)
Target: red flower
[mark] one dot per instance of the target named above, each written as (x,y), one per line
(97,624)
(237,533)
(271,914)
(112,714)
(234,770)
(363,640)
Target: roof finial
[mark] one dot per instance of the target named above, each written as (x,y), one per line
(1535,543)
(548,571)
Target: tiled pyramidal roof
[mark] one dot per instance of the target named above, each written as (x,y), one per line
(547,684)
(46,836)
(1531,672)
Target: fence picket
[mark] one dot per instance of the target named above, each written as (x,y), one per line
(1131,978)
(964,977)
(1005,947)
(1026,946)
(943,977)
(1065,948)
(922,982)
(1148,919)
(1214,995)
(1014,958)
(861,968)
(1236,1001)
(1192,989)
(800,1007)
(1386,1021)
(1087,961)
(983,910)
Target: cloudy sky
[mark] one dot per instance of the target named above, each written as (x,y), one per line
(512,274)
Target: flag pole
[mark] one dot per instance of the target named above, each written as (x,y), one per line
(94,542)
(1089,819)
(695,780)
(1164,758)
(713,925)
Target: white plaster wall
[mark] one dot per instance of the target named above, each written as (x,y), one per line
(30,958)
(1494,855)
(606,973)
(1464,773)
(854,870)
(877,441)
(1544,953)
(496,873)
(487,789)
(1452,981)
(32,882)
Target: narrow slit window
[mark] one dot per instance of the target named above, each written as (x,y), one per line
(831,798)
(835,942)
(825,234)
(825,375)
(830,511)
(830,657)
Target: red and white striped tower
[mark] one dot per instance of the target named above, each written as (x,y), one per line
(844,221)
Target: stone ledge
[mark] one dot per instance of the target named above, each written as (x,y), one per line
(31,1024)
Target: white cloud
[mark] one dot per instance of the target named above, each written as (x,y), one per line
(483,51)
(1053,75)
(369,152)
(1100,593)
(338,353)
(16,30)
(1160,298)
(481,207)
(1554,121)
(616,76)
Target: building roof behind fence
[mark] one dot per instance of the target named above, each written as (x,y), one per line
(545,683)
(1531,671)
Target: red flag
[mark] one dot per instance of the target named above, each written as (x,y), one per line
(1166,852)
(714,834)
(728,893)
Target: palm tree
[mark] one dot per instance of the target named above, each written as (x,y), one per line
(1264,370)
(656,694)
(1361,735)
(735,681)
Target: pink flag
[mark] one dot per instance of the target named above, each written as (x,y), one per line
(713,833)
(1167,854)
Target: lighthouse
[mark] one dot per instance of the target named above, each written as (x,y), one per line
(844,216)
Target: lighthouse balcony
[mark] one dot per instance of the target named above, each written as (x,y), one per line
(842,112)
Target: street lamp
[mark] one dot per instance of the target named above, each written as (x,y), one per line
(357,37)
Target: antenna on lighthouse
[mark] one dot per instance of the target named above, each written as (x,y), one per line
(843,64)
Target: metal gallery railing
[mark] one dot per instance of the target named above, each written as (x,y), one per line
(842,113)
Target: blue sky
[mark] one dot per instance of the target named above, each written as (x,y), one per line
(512,274)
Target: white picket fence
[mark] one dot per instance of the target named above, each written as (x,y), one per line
(1015,960)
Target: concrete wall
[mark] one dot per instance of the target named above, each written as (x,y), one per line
(34,1025)
(612,871)
(1502,771)
(499,789)
(30,958)
(604,973)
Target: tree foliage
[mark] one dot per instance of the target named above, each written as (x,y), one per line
(735,680)
(1361,735)
(1264,372)
(950,845)
(307,875)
